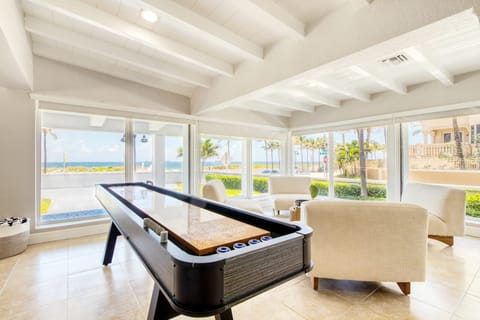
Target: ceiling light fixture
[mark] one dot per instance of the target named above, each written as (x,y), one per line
(149,16)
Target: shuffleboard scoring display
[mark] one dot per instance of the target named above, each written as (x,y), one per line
(215,256)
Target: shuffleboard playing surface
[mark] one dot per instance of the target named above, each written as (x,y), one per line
(200,230)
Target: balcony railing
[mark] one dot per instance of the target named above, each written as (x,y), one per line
(440,150)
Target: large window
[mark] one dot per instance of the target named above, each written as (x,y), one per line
(77,152)
(266,162)
(360,164)
(455,161)
(159,155)
(310,157)
(222,158)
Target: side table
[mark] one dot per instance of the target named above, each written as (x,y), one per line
(295,213)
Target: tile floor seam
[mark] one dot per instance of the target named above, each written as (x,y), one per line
(10,274)
(139,305)
(295,311)
(457,306)
(364,300)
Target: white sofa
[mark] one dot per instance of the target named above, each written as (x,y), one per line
(215,190)
(284,190)
(445,206)
(367,241)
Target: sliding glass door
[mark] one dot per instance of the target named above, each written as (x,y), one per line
(78,152)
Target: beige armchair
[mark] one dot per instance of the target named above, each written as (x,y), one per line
(367,241)
(284,190)
(445,206)
(215,190)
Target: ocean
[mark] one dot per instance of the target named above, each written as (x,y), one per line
(169,165)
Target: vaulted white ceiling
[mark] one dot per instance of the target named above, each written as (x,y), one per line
(197,43)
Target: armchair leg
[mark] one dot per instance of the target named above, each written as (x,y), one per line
(448,240)
(315,283)
(404,287)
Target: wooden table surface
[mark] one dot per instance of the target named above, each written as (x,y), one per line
(200,230)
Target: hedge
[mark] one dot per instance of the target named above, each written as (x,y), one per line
(473,205)
(342,190)
(260,184)
(230,182)
(352,190)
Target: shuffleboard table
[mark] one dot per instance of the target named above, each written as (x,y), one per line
(192,275)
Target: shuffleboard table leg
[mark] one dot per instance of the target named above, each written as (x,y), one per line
(160,309)
(112,239)
(225,315)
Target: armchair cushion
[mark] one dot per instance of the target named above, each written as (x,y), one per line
(284,190)
(215,190)
(367,240)
(445,205)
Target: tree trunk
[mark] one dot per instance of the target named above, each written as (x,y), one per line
(458,143)
(363,166)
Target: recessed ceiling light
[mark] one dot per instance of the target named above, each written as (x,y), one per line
(149,15)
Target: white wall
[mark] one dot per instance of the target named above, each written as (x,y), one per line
(62,80)
(17,154)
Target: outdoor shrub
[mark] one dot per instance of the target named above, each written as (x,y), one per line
(347,190)
(230,182)
(322,187)
(473,205)
(377,191)
(260,184)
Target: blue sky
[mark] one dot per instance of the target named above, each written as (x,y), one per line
(89,146)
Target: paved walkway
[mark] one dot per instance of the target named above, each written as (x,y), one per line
(71,199)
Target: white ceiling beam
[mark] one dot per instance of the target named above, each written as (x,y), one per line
(112,24)
(15,46)
(382,80)
(198,24)
(272,13)
(281,102)
(430,65)
(410,23)
(340,88)
(97,121)
(94,65)
(314,97)
(265,107)
(123,55)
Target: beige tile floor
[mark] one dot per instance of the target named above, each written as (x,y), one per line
(65,280)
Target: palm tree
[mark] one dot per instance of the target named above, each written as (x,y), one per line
(209,150)
(272,146)
(265,147)
(307,144)
(320,144)
(363,165)
(300,140)
(45,132)
(458,143)
(180,152)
